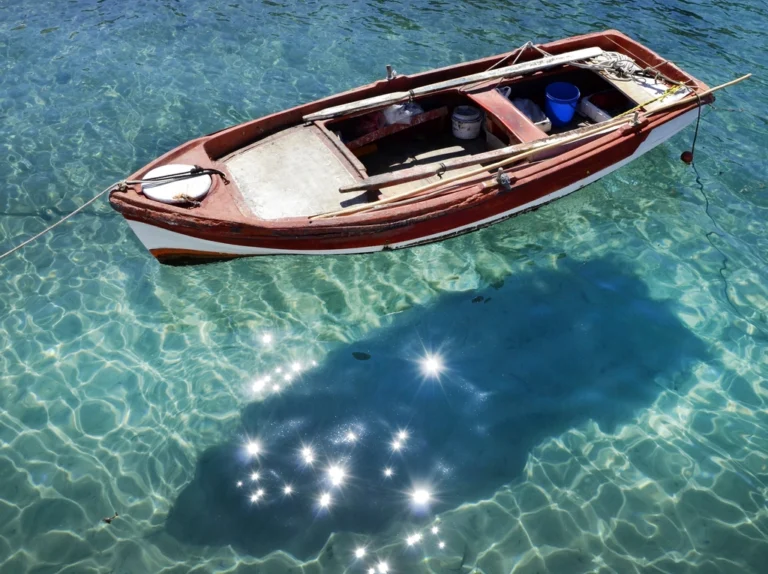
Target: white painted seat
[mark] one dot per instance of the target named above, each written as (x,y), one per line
(294,173)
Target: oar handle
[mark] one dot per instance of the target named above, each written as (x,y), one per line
(699,95)
(609,125)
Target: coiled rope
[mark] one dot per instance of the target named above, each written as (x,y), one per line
(617,66)
(122,185)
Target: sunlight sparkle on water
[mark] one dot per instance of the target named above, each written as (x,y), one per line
(296,367)
(325,500)
(266,338)
(336,474)
(253,448)
(254,476)
(421,496)
(383,568)
(287,490)
(402,435)
(351,437)
(307,455)
(435,530)
(275,388)
(359,552)
(432,365)
(388,472)
(413,539)
(441,545)
(256,496)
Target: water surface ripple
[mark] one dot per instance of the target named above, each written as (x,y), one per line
(580,389)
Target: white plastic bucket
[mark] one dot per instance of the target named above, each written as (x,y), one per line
(466,122)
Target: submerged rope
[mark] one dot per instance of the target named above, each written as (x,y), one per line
(122,186)
(59,222)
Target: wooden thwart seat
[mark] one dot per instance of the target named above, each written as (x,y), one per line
(505,113)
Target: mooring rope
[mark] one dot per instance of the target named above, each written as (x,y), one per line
(121,186)
(59,222)
(696,131)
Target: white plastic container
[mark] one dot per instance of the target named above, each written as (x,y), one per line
(466,122)
(591,111)
(529,108)
(533,113)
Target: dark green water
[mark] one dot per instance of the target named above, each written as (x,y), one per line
(601,399)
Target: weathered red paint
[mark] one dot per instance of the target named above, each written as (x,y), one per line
(219,218)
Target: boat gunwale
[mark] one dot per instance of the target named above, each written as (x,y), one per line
(379,221)
(220,210)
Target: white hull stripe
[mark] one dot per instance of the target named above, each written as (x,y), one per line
(158,238)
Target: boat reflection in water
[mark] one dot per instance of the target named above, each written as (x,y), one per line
(382,453)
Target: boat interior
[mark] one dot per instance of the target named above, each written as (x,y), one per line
(299,171)
(504,120)
(399,146)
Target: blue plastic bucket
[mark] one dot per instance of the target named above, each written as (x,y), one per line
(562,99)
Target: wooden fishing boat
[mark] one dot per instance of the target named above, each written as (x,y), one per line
(336,176)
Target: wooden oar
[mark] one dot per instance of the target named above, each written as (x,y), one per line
(395,97)
(422,172)
(696,97)
(686,100)
(605,127)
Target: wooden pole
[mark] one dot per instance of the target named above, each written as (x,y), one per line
(605,127)
(695,97)
(424,171)
(421,172)
(688,99)
(395,97)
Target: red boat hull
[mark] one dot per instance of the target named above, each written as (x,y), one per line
(218,229)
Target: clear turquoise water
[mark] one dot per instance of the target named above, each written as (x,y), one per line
(602,401)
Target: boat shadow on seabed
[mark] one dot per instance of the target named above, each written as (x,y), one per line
(545,352)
